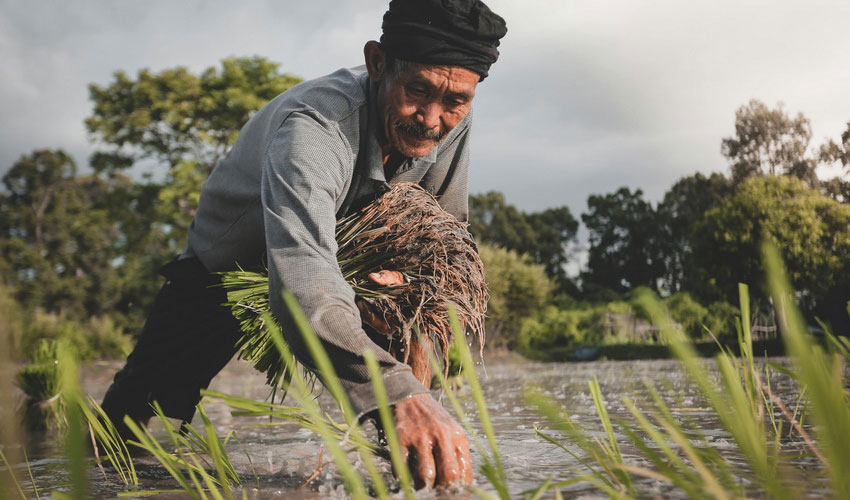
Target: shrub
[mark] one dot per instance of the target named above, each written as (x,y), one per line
(720,319)
(553,327)
(518,289)
(687,312)
(96,338)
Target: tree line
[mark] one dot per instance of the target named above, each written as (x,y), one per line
(82,247)
(704,236)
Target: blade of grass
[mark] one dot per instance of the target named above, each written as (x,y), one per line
(829,407)
(325,367)
(352,480)
(388,425)
(75,438)
(611,448)
(477,394)
(29,471)
(11,472)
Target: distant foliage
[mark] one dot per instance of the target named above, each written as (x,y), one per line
(624,240)
(96,337)
(546,237)
(769,142)
(677,216)
(811,231)
(184,122)
(621,322)
(518,289)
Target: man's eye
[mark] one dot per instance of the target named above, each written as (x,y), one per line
(417,91)
(455,102)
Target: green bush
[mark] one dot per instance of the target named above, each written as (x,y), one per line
(44,408)
(518,289)
(720,319)
(96,338)
(687,312)
(553,327)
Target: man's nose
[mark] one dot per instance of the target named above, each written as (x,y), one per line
(429,116)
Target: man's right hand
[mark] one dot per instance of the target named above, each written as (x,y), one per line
(434,444)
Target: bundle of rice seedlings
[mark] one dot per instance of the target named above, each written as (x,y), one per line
(407,231)
(44,407)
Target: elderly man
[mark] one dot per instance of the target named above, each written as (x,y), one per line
(319,151)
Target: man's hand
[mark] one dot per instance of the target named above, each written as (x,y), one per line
(433,443)
(383,278)
(417,358)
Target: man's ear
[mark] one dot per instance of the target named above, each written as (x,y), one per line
(375,60)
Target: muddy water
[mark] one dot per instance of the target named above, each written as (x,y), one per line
(276,462)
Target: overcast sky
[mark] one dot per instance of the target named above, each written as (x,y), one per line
(588,95)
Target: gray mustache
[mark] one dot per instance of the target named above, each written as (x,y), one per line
(419,131)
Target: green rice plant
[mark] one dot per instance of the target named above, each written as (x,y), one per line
(281,415)
(603,468)
(106,440)
(15,483)
(742,399)
(11,450)
(407,231)
(75,436)
(388,425)
(733,401)
(303,396)
(44,407)
(186,464)
(821,372)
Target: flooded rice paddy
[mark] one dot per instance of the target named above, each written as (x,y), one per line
(279,461)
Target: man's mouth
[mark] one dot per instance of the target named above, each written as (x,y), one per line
(418,131)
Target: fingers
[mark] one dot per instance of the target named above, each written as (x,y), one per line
(435,446)
(464,459)
(453,462)
(420,460)
(387,278)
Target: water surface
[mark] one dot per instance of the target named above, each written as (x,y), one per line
(277,462)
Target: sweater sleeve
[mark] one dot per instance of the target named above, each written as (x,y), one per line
(305,172)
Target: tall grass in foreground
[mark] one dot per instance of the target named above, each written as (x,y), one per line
(746,407)
(676,450)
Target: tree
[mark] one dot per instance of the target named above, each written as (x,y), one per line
(56,236)
(182,121)
(837,188)
(494,220)
(682,208)
(544,236)
(623,237)
(834,152)
(811,231)
(769,142)
(174,116)
(554,231)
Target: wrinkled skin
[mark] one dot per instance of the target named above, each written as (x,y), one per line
(429,98)
(434,444)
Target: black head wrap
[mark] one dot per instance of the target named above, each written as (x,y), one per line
(445,32)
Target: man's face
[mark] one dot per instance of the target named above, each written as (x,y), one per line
(420,105)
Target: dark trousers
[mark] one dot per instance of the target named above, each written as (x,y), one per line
(187,339)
